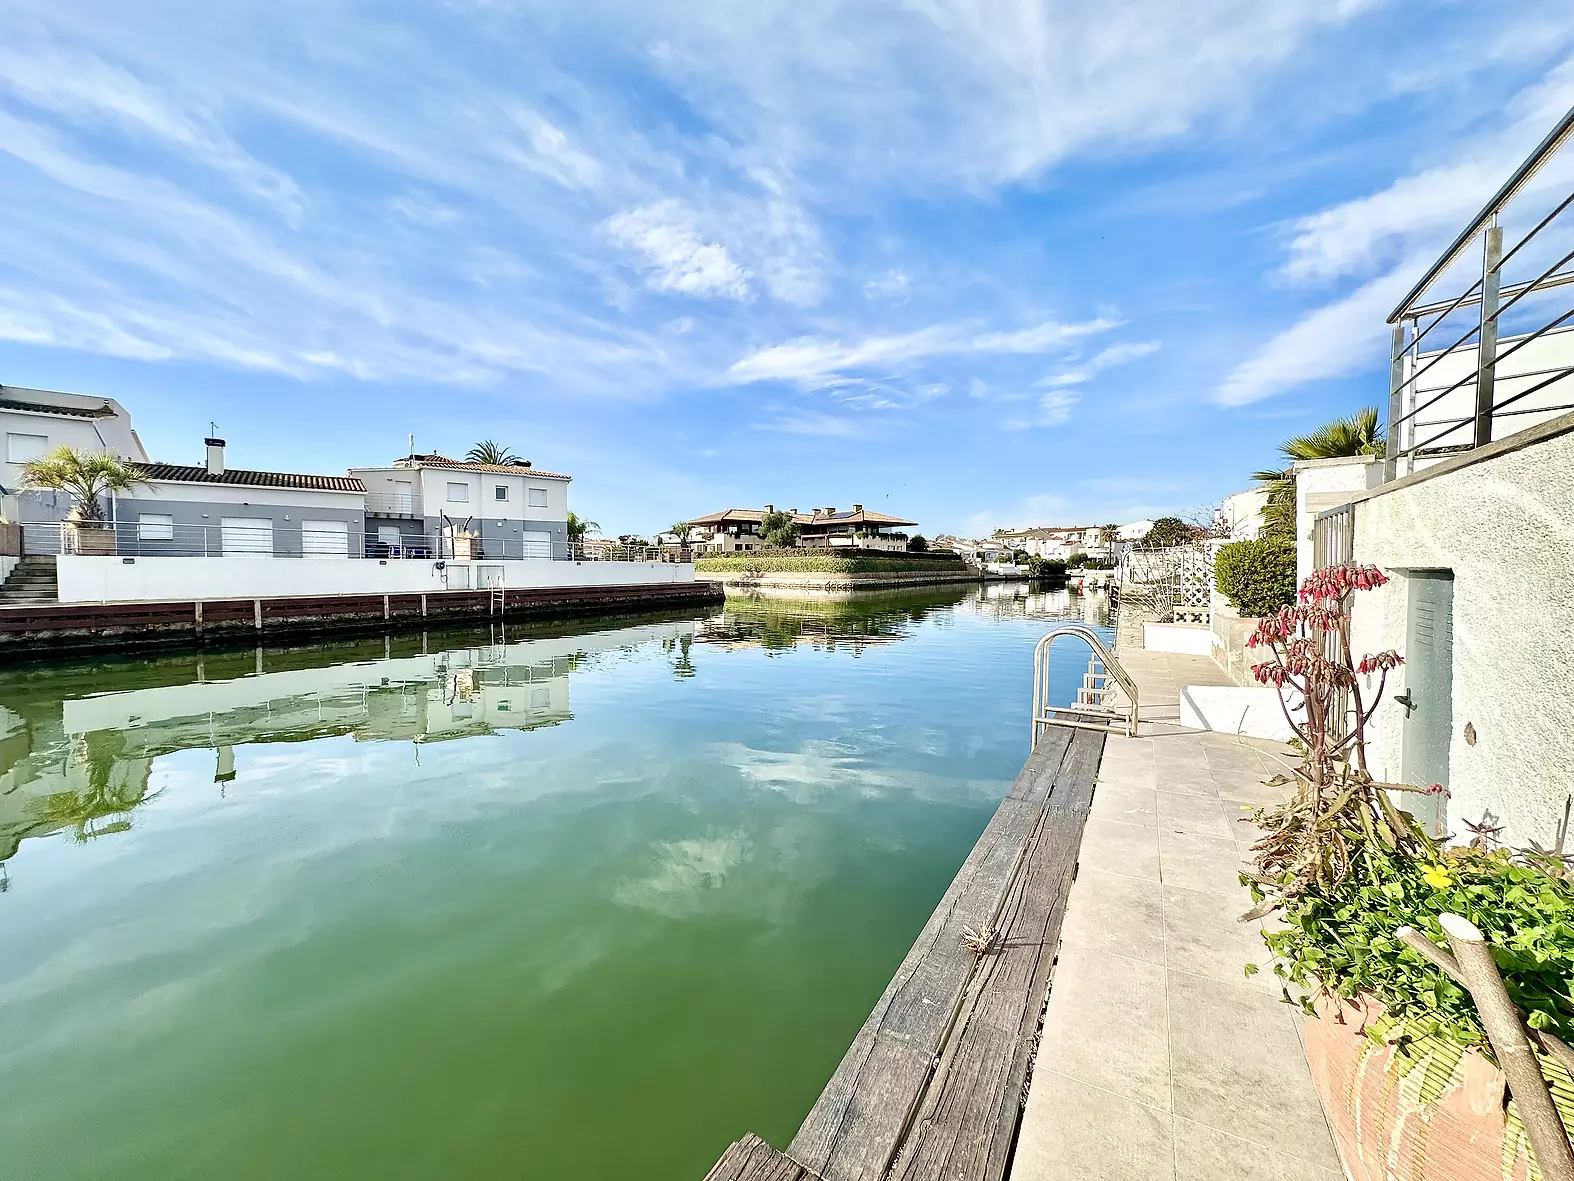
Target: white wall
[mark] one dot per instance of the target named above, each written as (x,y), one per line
(1503,521)
(305,499)
(98,580)
(7,565)
(1322,484)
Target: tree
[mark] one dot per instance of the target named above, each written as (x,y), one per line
(681,531)
(487,451)
(578,526)
(917,544)
(1169,531)
(1050,569)
(1108,534)
(779,529)
(1358,434)
(84,475)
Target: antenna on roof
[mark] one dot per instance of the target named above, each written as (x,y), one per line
(213,429)
(412,444)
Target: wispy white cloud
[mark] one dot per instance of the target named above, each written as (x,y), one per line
(1116,354)
(891,285)
(817,362)
(676,257)
(1387,239)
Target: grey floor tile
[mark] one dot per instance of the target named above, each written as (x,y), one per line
(1107,1025)
(1109,846)
(1190,783)
(1204,936)
(1122,915)
(1205,1154)
(1200,815)
(1074,1132)
(1239,1064)
(1199,863)
(1119,801)
(1238,813)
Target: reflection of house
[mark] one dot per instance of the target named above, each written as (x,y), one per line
(77,761)
(737,530)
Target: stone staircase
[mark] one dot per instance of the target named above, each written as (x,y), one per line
(35,580)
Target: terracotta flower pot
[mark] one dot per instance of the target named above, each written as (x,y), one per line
(1397,1121)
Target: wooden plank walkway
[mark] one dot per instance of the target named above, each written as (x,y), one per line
(933,1084)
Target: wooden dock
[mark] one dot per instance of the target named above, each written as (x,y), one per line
(933,1085)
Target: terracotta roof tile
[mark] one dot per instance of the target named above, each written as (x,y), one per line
(512,469)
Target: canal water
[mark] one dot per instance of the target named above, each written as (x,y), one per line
(576,901)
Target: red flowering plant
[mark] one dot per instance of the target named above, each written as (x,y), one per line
(1327,697)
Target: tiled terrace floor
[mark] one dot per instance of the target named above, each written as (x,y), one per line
(1160,1058)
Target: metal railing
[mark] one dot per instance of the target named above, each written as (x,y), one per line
(144,539)
(1333,537)
(1495,357)
(1082,715)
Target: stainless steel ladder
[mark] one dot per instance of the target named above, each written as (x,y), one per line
(1099,705)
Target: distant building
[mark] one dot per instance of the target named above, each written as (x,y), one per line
(35,422)
(1240,516)
(737,530)
(1054,542)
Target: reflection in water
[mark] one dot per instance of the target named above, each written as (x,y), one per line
(477,905)
(82,763)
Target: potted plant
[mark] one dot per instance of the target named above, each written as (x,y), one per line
(1396,1045)
(87,477)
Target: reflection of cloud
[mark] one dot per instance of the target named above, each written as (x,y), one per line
(802,775)
(686,872)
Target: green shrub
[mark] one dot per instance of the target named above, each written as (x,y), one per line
(1258,577)
(917,544)
(1050,569)
(828,563)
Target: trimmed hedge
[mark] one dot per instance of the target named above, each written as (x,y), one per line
(1258,577)
(826,563)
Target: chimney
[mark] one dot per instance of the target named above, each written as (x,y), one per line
(215,456)
(858,508)
(770,508)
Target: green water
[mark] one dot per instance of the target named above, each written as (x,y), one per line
(583,901)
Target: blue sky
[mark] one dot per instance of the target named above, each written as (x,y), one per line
(977,262)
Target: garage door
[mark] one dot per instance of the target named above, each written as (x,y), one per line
(325,539)
(537,544)
(246,535)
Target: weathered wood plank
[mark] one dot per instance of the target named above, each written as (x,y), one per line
(968,1120)
(751,1159)
(855,1129)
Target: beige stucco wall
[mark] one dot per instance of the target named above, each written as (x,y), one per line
(1504,524)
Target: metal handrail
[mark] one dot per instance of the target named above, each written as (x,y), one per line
(1044,712)
(1502,197)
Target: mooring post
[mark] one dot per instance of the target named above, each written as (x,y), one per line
(1549,1140)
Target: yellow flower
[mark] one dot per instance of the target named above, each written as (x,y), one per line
(1437,877)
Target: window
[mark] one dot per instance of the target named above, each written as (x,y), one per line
(155,527)
(538,498)
(500,492)
(459,494)
(21,448)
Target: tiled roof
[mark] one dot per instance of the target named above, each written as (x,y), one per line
(511,469)
(200,475)
(753,516)
(104,411)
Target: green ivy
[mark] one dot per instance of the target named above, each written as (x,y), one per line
(1258,577)
(1342,940)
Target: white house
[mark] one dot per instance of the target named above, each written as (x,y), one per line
(1240,515)
(515,510)
(35,422)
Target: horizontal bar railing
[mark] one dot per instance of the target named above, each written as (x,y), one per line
(141,538)
(1490,356)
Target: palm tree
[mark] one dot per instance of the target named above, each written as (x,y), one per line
(681,531)
(84,475)
(487,451)
(578,526)
(1360,433)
